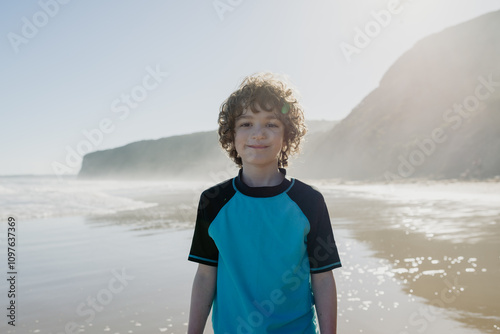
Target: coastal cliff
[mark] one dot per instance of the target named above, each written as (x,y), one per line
(435,114)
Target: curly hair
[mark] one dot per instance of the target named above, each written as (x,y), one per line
(272,94)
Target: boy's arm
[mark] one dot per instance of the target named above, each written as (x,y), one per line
(325,297)
(202,296)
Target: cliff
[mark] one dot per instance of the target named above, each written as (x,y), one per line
(435,114)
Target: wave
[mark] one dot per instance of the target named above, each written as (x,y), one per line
(31,197)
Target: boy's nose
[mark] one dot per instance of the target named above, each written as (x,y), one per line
(258,132)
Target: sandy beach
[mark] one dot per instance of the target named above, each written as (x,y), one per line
(411,264)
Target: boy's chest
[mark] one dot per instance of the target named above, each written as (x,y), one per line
(274,226)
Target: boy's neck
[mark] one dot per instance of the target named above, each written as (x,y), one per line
(262,176)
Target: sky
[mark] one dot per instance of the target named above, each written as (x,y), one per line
(83,76)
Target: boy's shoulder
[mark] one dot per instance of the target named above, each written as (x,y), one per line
(221,191)
(303,189)
(227,184)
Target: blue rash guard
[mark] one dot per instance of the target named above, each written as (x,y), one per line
(265,242)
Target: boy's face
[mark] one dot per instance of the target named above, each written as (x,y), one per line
(259,137)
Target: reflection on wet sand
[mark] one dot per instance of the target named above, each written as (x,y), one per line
(440,250)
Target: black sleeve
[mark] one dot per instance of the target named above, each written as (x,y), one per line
(203,249)
(321,247)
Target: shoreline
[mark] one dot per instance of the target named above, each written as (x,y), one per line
(132,178)
(389,277)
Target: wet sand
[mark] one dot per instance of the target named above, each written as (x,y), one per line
(442,247)
(128,273)
(100,279)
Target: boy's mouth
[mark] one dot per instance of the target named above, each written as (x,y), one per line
(257,146)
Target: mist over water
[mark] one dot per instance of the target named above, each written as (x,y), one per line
(47,196)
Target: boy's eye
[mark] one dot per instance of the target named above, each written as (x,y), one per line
(248,124)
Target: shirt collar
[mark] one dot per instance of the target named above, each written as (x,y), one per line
(261,191)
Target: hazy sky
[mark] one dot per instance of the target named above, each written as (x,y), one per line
(101,66)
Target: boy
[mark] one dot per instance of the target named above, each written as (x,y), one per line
(264,243)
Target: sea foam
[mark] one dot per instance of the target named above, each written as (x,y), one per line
(31,197)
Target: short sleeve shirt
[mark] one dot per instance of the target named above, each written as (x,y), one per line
(265,242)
